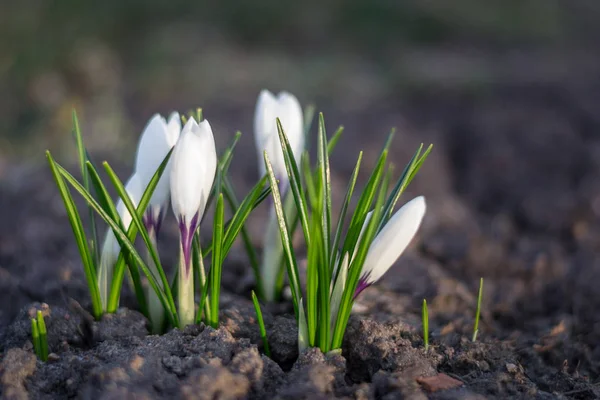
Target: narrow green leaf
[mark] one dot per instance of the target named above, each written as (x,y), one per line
(35,338)
(335,139)
(217,261)
(234,205)
(408,174)
(324,282)
(198,264)
(261,197)
(104,198)
(110,208)
(124,241)
(478,312)
(343,211)
(43,339)
(309,116)
(295,181)
(136,217)
(425,318)
(80,238)
(261,324)
(323,167)
(241,214)
(286,240)
(227,156)
(364,204)
(312,280)
(83,158)
(356,265)
(311,189)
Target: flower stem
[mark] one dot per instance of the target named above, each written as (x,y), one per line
(185,292)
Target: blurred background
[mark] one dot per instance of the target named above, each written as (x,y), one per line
(118,62)
(507,90)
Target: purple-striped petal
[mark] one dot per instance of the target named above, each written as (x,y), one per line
(363,283)
(187,235)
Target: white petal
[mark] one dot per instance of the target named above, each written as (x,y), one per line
(193,170)
(173,128)
(268,108)
(153,147)
(264,117)
(290,114)
(393,239)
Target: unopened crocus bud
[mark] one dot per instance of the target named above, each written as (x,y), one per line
(269,107)
(192,175)
(391,242)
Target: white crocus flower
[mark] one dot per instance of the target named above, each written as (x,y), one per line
(110,247)
(158,138)
(269,107)
(192,175)
(391,242)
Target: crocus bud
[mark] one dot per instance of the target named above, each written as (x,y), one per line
(269,107)
(110,247)
(391,242)
(192,175)
(286,107)
(157,140)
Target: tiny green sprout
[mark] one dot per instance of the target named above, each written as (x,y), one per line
(35,337)
(478,312)
(39,336)
(425,318)
(261,324)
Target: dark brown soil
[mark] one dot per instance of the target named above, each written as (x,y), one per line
(513,192)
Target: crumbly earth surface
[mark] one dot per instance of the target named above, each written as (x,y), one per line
(513,193)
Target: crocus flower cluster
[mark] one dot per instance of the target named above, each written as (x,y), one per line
(177,166)
(187,180)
